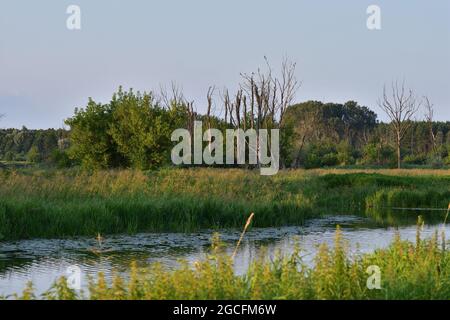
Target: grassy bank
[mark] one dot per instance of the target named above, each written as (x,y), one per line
(418,270)
(49,203)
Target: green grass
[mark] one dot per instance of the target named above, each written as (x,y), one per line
(408,270)
(52,203)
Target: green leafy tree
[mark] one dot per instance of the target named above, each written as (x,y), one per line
(92,143)
(131,131)
(33,155)
(141,129)
(60,159)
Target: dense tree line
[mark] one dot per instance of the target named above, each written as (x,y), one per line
(347,134)
(37,146)
(134,129)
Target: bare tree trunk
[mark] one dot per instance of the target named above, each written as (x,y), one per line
(296,162)
(399,152)
(429,118)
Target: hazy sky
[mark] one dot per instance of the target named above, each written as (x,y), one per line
(46,70)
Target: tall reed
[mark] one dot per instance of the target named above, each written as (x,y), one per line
(247,224)
(52,203)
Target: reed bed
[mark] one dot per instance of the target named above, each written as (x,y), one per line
(63,203)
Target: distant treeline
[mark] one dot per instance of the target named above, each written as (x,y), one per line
(36,146)
(333,134)
(134,130)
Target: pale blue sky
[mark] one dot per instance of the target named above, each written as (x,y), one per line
(47,70)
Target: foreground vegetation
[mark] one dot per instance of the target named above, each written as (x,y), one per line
(55,203)
(418,270)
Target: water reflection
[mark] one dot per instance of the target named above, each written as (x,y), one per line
(43,261)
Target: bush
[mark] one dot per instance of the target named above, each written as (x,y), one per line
(329,160)
(320,155)
(9,156)
(447,160)
(345,154)
(419,159)
(436,162)
(378,154)
(60,159)
(34,155)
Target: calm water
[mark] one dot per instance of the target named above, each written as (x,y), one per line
(43,261)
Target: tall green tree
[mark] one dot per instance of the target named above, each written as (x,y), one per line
(34,155)
(133,130)
(140,128)
(92,144)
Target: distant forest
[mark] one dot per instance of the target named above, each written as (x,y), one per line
(36,146)
(134,131)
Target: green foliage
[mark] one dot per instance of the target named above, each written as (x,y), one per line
(435,161)
(15,144)
(60,159)
(419,159)
(346,154)
(311,124)
(131,131)
(34,155)
(321,155)
(59,203)
(9,156)
(379,154)
(92,144)
(141,129)
(447,160)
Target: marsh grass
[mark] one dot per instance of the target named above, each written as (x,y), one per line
(64,203)
(418,270)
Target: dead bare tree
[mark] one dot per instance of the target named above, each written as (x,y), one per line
(261,99)
(175,98)
(269,95)
(429,116)
(191,118)
(172,98)
(400,106)
(209,99)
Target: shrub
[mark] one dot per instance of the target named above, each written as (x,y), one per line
(329,160)
(9,156)
(378,154)
(34,155)
(60,159)
(419,159)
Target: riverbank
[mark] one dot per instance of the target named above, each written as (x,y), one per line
(63,203)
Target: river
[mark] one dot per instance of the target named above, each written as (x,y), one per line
(43,261)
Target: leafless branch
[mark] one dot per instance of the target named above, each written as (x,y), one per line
(400,105)
(429,116)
